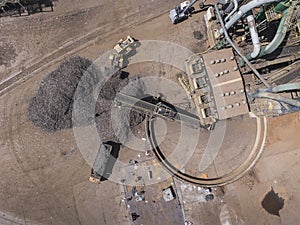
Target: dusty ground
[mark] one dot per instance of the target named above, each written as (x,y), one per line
(212,156)
(277,168)
(44,176)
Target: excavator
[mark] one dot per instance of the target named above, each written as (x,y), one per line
(183,10)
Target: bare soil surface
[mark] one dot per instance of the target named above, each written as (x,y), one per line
(44,177)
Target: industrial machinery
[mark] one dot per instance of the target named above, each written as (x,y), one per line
(121,50)
(123,45)
(183,10)
(9,5)
(99,168)
(260,43)
(164,110)
(215,86)
(13,7)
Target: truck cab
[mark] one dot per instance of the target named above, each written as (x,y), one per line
(177,15)
(181,11)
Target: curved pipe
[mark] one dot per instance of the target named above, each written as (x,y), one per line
(254,37)
(229,8)
(277,97)
(235,2)
(236,49)
(243,10)
(279,36)
(283,87)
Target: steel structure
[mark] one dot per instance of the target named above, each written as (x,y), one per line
(157,108)
(242,25)
(28,6)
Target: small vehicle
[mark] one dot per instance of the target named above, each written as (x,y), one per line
(122,45)
(180,12)
(183,10)
(121,50)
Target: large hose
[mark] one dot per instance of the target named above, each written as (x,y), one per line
(283,88)
(276,97)
(236,49)
(243,10)
(254,37)
(233,4)
(280,34)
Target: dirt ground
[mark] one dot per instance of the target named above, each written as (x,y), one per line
(44,178)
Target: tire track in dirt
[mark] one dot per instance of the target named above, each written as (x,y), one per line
(28,171)
(13,105)
(63,52)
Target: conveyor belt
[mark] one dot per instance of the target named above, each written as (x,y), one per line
(150,108)
(288,74)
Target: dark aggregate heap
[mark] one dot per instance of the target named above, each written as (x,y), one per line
(114,125)
(51,108)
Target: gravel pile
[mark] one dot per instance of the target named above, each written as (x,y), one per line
(51,108)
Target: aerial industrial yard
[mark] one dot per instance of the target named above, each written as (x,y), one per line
(149,112)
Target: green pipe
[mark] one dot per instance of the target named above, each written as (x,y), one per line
(283,27)
(277,97)
(281,7)
(283,88)
(279,37)
(277,40)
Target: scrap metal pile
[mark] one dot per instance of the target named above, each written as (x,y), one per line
(52,106)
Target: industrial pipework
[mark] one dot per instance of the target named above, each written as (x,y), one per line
(243,10)
(227,37)
(289,9)
(283,88)
(235,4)
(272,93)
(286,8)
(254,37)
(275,97)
